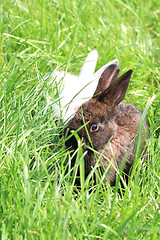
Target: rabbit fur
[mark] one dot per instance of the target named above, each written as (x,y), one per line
(75,90)
(112,126)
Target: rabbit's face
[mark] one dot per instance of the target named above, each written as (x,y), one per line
(95,120)
(95,124)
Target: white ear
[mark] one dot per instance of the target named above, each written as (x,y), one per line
(88,67)
(73,92)
(73,84)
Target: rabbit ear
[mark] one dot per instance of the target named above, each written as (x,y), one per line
(88,67)
(99,72)
(107,77)
(116,91)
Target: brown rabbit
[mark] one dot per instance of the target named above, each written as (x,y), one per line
(112,126)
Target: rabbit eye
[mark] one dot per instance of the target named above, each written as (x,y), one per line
(94,128)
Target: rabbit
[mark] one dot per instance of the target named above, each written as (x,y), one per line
(107,125)
(77,89)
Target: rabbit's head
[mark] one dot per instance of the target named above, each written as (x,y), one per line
(95,120)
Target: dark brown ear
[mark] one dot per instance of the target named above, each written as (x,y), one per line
(107,77)
(116,91)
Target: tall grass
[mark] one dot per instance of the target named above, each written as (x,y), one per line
(38,197)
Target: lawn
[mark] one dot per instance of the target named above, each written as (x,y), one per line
(38,199)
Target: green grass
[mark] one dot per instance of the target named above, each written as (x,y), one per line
(38,201)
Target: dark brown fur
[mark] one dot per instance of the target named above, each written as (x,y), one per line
(117,124)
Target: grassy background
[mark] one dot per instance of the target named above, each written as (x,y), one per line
(36,37)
